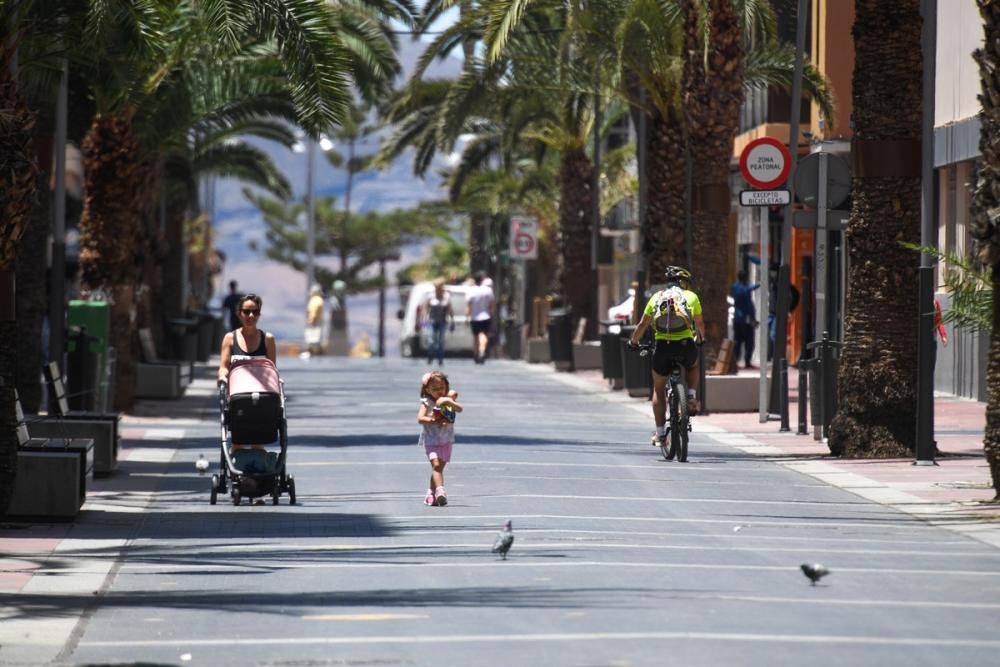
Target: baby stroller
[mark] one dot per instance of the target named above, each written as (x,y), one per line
(252,408)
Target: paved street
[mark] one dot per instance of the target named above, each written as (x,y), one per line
(620,558)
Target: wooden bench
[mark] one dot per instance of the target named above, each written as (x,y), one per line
(52,474)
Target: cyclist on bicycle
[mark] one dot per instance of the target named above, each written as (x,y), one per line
(675,314)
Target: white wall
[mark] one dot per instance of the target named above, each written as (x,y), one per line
(959,33)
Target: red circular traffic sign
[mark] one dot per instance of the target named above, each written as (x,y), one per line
(765,163)
(524,243)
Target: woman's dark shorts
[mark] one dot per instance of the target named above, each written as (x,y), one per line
(481,327)
(667,352)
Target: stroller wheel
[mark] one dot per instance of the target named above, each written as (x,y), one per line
(291,490)
(215,490)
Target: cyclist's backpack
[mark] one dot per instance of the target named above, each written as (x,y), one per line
(671,312)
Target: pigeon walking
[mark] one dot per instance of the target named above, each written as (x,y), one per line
(814,571)
(505,538)
(201,465)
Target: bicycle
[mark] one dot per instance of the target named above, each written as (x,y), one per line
(678,422)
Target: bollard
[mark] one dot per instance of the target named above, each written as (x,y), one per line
(825,387)
(784,392)
(702,385)
(803,397)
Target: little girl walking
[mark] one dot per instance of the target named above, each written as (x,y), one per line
(438,406)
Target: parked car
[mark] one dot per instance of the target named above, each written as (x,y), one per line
(415,336)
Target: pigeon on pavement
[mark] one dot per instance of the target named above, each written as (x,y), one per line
(814,571)
(505,538)
(201,465)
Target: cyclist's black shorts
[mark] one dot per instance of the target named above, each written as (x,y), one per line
(668,352)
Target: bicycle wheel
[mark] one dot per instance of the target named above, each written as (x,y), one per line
(682,422)
(670,450)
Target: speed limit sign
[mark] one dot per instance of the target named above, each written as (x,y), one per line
(523,238)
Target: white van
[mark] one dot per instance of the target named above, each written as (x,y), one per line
(415,336)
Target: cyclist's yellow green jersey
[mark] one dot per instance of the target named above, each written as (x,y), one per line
(694,305)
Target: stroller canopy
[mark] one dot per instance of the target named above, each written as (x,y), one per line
(257,374)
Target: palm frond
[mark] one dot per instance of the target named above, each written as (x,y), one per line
(970,288)
(503,17)
(773,64)
(246,163)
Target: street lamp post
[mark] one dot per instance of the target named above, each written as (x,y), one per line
(307,145)
(310,216)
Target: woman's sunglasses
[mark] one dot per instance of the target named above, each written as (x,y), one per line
(251,311)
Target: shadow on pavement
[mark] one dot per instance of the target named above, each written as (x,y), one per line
(297,603)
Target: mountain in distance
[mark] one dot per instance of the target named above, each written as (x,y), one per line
(238,224)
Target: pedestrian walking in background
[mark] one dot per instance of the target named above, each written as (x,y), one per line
(229,306)
(479,307)
(744,318)
(436,416)
(439,314)
(314,321)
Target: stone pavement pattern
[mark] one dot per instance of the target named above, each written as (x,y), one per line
(620,557)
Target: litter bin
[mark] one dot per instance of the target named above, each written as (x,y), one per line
(182,339)
(95,318)
(637,370)
(560,338)
(611,354)
(83,364)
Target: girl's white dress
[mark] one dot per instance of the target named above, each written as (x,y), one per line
(435,435)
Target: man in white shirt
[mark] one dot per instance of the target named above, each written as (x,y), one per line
(479,308)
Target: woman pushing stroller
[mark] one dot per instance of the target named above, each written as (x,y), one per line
(252,406)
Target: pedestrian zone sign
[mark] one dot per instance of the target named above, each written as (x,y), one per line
(523,238)
(765,163)
(765,197)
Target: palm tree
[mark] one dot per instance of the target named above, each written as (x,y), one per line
(713,95)
(729,46)
(986,227)
(17,183)
(535,88)
(298,33)
(878,364)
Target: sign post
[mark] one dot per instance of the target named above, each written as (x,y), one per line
(765,164)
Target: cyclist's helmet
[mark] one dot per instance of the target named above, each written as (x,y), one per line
(678,275)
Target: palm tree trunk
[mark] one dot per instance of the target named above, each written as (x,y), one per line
(991,434)
(878,364)
(18,173)
(479,251)
(32,304)
(112,211)
(713,94)
(575,177)
(985,229)
(666,170)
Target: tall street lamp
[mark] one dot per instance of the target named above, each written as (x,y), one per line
(307,145)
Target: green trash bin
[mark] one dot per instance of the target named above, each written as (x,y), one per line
(94,317)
